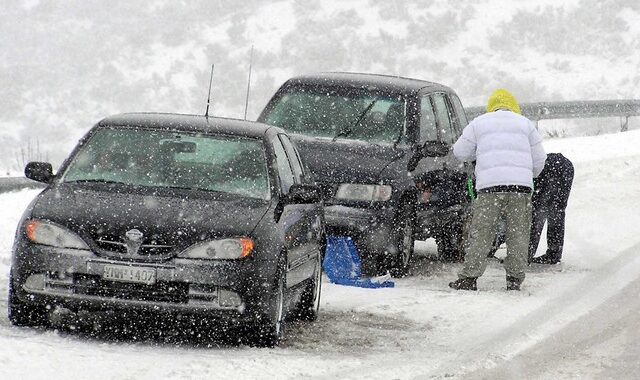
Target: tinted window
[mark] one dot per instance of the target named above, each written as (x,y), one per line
(428,129)
(447,135)
(282,163)
(460,117)
(149,158)
(296,167)
(329,111)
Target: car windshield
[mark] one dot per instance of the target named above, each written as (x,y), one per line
(140,157)
(342,112)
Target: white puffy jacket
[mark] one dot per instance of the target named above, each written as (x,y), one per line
(506,146)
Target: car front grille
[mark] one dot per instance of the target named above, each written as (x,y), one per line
(162,291)
(117,244)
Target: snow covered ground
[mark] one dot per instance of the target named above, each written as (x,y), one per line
(580,319)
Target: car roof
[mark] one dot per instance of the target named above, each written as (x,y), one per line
(190,123)
(362,80)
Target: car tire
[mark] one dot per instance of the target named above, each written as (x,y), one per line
(451,241)
(23,314)
(404,228)
(270,328)
(309,305)
(370,262)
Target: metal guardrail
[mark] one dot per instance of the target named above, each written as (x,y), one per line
(623,108)
(8,184)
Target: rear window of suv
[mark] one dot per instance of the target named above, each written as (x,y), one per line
(352,113)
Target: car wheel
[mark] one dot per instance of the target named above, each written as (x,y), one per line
(309,304)
(270,329)
(404,241)
(23,314)
(371,263)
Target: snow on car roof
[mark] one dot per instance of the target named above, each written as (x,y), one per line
(194,123)
(383,82)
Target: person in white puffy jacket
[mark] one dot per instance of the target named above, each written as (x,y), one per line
(508,153)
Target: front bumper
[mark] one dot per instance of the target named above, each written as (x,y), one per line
(74,279)
(371,227)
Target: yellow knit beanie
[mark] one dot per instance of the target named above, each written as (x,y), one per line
(502,98)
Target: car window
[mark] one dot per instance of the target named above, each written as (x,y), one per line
(284,169)
(330,111)
(460,117)
(296,166)
(151,158)
(428,129)
(445,128)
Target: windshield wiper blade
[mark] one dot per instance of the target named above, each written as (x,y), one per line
(398,139)
(193,188)
(347,131)
(96,181)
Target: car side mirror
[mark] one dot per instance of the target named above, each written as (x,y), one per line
(303,193)
(39,171)
(435,149)
(427,149)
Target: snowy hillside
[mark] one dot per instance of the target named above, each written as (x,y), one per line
(65,65)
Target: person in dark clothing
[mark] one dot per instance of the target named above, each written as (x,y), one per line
(549,201)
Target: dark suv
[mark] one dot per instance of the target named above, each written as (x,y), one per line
(379,147)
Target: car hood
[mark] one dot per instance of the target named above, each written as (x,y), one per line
(174,219)
(345,161)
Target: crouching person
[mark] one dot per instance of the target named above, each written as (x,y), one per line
(552,188)
(508,152)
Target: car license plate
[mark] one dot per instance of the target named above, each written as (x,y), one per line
(129,274)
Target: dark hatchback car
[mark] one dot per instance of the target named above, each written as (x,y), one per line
(380,148)
(176,213)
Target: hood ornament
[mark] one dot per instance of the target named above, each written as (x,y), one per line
(133,241)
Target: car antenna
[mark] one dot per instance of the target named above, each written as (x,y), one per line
(206,113)
(246,103)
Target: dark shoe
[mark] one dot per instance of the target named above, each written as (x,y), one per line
(513,283)
(545,259)
(465,283)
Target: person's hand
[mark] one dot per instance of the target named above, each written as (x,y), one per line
(424,196)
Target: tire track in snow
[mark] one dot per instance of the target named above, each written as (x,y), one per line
(602,344)
(586,295)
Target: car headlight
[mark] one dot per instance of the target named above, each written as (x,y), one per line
(360,192)
(47,233)
(219,249)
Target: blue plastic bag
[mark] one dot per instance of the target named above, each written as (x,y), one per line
(342,265)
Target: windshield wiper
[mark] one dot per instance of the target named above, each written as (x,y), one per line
(195,188)
(347,131)
(398,139)
(96,181)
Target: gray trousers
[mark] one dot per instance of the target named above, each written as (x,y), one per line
(488,208)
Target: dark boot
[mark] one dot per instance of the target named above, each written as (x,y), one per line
(545,259)
(465,283)
(513,283)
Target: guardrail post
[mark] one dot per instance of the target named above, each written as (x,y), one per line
(624,125)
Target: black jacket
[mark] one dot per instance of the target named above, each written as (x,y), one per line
(554,182)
